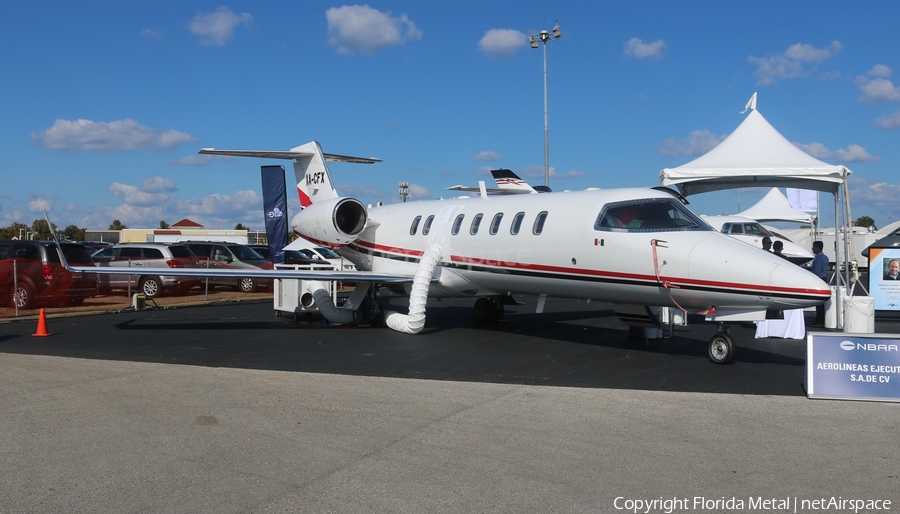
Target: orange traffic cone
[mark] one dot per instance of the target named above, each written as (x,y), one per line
(42,326)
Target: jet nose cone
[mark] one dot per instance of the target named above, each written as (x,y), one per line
(797,288)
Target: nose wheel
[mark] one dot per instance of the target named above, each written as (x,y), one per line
(721,348)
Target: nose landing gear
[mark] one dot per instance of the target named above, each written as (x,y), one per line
(721,346)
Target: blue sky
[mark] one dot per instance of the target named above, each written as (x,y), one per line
(105,104)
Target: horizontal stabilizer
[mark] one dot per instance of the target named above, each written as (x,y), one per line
(289,155)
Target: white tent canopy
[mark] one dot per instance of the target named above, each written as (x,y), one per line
(775,207)
(754,155)
(757,155)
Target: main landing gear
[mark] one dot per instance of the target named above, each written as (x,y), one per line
(489,309)
(721,346)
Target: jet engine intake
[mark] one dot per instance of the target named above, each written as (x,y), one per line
(335,222)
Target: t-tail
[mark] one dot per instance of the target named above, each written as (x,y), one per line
(314,182)
(326,218)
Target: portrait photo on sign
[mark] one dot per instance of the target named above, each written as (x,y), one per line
(891,268)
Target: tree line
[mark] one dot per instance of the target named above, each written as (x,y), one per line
(41,231)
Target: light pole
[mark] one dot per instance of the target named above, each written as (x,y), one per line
(404,191)
(545,37)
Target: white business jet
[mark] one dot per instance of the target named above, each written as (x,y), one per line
(632,248)
(752,232)
(508,183)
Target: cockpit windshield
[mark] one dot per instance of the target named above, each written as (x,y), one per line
(649,215)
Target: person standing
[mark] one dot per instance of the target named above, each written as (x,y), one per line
(820,269)
(767,243)
(777,248)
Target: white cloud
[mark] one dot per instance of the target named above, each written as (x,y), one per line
(853,153)
(486,156)
(152,34)
(880,70)
(793,62)
(817,150)
(359,28)
(878,198)
(890,122)
(636,48)
(807,53)
(158,185)
(108,137)
(217,28)
(537,172)
(417,192)
(697,143)
(500,43)
(877,90)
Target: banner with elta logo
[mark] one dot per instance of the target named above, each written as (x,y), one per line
(853,366)
(275,210)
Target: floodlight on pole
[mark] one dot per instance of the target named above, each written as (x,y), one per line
(545,37)
(404,191)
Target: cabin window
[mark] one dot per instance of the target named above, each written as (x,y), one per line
(426,228)
(648,215)
(457,223)
(415,225)
(495,223)
(475,222)
(539,223)
(516,223)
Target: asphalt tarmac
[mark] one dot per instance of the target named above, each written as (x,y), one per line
(229,408)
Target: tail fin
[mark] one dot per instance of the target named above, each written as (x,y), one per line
(507,180)
(313,178)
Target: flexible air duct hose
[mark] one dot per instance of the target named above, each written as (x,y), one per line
(413,322)
(326,305)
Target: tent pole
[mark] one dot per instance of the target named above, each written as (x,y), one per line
(848,238)
(837,261)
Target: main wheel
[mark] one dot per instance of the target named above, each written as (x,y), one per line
(23,296)
(151,286)
(247,285)
(485,311)
(721,348)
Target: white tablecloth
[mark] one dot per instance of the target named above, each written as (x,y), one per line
(791,327)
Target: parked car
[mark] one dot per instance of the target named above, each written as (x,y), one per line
(298,257)
(146,255)
(312,251)
(31,273)
(219,255)
(295,257)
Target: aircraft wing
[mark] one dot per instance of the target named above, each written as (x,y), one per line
(350,276)
(280,154)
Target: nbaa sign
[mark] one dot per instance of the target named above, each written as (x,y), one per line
(853,366)
(869,347)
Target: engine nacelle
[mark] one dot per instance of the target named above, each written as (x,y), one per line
(332,223)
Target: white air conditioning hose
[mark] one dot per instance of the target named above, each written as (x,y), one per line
(413,322)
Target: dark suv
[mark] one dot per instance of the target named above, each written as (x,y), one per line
(146,255)
(218,255)
(31,273)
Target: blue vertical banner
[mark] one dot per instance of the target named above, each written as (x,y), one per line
(275,210)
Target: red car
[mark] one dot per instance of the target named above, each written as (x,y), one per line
(31,274)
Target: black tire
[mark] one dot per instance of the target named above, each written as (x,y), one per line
(246,285)
(151,287)
(23,297)
(485,311)
(721,348)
